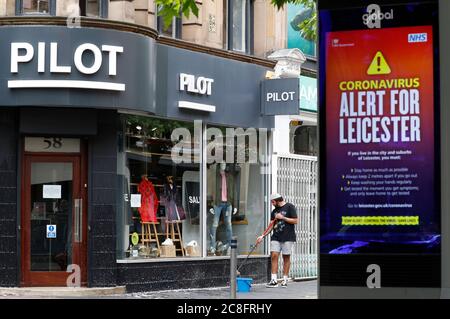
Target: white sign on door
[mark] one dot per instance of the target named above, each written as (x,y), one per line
(135,200)
(51,231)
(51,191)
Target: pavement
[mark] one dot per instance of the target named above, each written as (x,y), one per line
(60,292)
(294,290)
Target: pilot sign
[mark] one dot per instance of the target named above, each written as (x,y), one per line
(51,231)
(280,96)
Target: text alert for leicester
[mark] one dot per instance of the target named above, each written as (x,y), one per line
(380,115)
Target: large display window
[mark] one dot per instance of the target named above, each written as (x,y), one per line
(159,210)
(235,190)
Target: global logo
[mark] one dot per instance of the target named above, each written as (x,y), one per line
(372,19)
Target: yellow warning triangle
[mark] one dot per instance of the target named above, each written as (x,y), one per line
(378,65)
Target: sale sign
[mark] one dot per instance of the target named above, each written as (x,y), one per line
(380,137)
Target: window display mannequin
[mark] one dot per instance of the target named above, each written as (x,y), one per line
(222,204)
(173,208)
(149,200)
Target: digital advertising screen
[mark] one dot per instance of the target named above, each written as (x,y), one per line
(379,130)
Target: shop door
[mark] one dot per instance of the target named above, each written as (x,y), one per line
(53,219)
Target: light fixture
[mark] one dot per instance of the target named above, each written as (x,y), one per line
(138,127)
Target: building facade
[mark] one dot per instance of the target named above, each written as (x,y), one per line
(119,141)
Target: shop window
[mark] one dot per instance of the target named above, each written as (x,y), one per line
(44,7)
(240,25)
(304,140)
(159,198)
(235,191)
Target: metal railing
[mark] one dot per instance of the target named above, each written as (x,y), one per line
(296,179)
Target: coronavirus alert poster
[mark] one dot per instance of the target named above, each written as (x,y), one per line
(380,133)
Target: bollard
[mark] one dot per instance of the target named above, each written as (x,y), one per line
(233,267)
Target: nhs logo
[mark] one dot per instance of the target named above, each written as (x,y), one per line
(417,37)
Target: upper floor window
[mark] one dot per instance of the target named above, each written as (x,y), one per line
(90,8)
(94,8)
(240,25)
(87,8)
(173,30)
(35,7)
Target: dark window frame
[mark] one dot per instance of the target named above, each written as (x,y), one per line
(249,28)
(303,133)
(51,9)
(103,8)
(178,25)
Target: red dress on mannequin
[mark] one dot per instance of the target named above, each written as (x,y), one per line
(149,201)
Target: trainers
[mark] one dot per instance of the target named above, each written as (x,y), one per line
(272,284)
(284,284)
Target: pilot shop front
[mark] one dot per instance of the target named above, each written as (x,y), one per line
(127,161)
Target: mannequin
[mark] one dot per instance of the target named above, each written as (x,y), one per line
(222,205)
(149,200)
(173,209)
